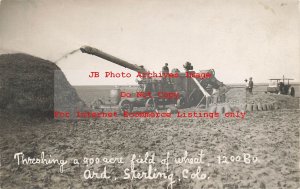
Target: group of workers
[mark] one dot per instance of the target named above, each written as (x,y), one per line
(187,66)
(165,69)
(218,94)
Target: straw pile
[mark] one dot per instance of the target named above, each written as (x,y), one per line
(27,86)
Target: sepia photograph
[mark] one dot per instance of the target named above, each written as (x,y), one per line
(142,94)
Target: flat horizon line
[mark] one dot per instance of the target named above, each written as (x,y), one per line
(292,83)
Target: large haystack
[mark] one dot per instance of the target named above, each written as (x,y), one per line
(27,86)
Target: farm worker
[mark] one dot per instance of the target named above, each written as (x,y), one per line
(188,66)
(147,87)
(215,95)
(247,86)
(250,85)
(222,90)
(165,69)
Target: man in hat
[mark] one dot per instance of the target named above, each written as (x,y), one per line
(165,69)
(250,85)
(247,85)
(188,66)
(215,94)
(222,90)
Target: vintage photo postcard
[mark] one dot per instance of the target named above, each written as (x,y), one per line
(142,94)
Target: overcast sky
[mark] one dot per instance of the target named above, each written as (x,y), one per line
(238,38)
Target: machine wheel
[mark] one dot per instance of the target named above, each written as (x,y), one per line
(292,91)
(125,105)
(150,105)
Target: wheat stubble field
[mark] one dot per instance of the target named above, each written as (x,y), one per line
(270,136)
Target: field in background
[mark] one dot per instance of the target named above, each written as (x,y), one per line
(263,87)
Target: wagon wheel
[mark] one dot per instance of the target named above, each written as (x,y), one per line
(125,105)
(292,91)
(151,105)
